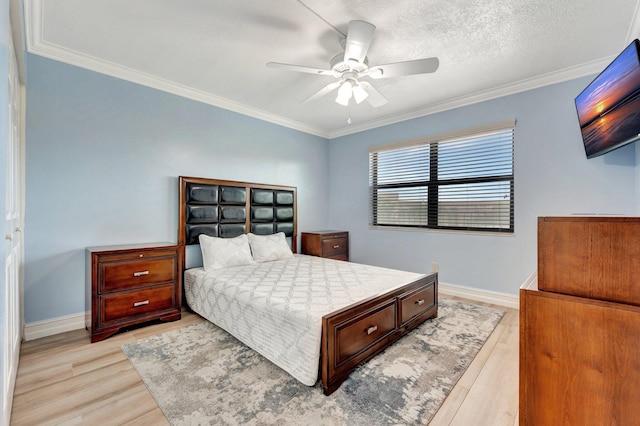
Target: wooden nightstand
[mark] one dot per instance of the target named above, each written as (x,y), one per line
(131,284)
(329,244)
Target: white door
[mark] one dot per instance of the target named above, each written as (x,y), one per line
(13,237)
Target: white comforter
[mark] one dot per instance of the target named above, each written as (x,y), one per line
(276,308)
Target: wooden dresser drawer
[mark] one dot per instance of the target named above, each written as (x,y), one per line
(596,257)
(359,333)
(136,272)
(416,302)
(127,304)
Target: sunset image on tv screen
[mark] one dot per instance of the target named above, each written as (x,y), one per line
(609,108)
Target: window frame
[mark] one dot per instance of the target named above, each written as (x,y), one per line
(433,183)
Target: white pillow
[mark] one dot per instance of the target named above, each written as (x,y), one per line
(266,248)
(218,253)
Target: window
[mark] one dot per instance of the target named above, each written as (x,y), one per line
(460,180)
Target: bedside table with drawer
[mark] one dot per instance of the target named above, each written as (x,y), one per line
(131,284)
(329,244)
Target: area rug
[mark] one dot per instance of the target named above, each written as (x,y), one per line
(201,375)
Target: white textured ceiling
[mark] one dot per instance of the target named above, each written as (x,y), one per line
(215,50)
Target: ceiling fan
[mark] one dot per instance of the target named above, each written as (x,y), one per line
(349,67)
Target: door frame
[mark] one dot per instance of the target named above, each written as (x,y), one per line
(14,296)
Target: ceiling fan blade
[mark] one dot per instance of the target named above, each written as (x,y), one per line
(320,93)
(358,40)
(418,66)
(375,98)
(299,68)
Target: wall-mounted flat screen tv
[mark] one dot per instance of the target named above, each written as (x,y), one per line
(609,107)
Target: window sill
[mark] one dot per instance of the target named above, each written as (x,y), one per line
(443,231)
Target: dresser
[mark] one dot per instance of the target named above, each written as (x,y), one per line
(580,324)
(131,284)
(329,244)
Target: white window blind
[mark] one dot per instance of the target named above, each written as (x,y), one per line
(461,180)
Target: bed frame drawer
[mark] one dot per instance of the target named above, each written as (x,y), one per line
(354,334)
(129,304)
(359,333)
(416,302)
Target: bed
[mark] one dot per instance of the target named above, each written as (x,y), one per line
(313,317)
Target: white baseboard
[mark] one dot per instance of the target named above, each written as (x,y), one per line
(36,330)
(487,296)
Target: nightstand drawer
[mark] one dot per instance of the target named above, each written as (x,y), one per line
(334,246)
(128,304)
(131,284)
(137,272)
(329,244)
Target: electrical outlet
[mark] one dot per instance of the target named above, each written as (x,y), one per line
(434,266)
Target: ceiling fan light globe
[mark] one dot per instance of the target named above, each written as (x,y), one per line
(344,93)
(359,94)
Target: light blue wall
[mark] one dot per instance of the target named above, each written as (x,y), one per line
(552,177)
(103,158)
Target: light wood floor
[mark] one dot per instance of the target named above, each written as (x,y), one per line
(65,380)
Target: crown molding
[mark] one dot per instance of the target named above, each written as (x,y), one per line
(560,76)
(38,46)
(582,70)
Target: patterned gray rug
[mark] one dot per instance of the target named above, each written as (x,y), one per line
(200,375)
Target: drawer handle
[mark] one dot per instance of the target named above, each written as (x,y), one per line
(372,329)
(420,302)
(144,302)
(141,273)
(336,246)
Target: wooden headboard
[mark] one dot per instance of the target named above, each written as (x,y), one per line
(226,209)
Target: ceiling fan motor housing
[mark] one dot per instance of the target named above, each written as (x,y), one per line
(339,65)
